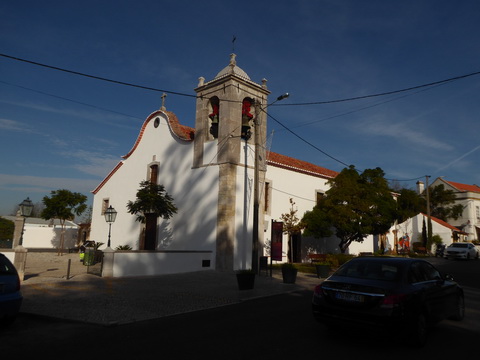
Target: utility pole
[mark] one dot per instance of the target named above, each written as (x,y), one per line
(256,180)
(429,225)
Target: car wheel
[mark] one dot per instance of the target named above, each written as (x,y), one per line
(460,309)
(419,331)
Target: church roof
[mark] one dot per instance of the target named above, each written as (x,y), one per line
(464,187)
(289,163)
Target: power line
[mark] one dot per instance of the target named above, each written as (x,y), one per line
(279,104)
(440,82)
(70,100)
(97,77)
(436,83)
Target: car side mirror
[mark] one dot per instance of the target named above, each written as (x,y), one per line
(448,277)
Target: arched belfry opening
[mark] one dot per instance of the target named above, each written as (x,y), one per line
(247,117)
(214,110)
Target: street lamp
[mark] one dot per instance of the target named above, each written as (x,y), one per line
(110,216)
(26,207)
(256,180)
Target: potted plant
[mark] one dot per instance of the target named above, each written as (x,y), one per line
(245,279)
(323,269)
(289,273)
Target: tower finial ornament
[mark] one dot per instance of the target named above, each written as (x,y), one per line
(233,62)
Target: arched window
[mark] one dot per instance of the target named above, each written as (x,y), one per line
(214,116)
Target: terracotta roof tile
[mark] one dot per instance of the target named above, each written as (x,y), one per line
(464,187)
(301,166)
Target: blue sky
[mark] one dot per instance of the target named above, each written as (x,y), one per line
(60,130)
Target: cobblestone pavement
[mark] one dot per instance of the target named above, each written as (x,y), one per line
(56,287)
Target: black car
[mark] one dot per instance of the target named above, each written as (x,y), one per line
(10,295)
(403,295)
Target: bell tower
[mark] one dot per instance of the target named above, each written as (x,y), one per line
(227,115)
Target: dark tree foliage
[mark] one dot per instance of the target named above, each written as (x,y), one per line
(152,202)
(441,201)
(152,199)
(355,206)
(7,228)
(409,204)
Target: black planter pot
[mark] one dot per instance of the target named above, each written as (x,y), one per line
(289,275)
(246,281)
(323,270)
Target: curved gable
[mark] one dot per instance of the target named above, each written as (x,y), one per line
(180,131)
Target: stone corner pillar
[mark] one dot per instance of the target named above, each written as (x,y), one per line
(20,260)
(108,261)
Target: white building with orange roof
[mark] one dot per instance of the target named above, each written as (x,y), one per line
(469,197)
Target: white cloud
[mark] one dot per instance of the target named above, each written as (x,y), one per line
(402,131)
(39,184)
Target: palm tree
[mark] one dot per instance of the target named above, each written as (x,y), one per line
(152,202)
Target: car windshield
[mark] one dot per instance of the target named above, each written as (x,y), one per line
(456,245)
(374,270)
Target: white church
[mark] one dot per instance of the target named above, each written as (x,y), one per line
(218,187)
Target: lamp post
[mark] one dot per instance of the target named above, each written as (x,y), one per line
(26,207)
(110,216)
(256,197)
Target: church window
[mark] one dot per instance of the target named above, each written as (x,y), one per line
(214,116)
(247,116)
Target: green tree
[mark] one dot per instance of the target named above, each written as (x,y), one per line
(63,205)
(291,226)
(152,202)
(409,204)
(442,203)
(355,206)
(7,228)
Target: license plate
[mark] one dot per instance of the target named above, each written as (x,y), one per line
(349,296)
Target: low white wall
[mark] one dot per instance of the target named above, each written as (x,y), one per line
(148,263)
(10,254)
(48,237)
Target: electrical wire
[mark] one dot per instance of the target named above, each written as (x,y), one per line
(440,82)
(436,83)
(96,77)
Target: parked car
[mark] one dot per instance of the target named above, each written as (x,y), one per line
(401,295)
(10,294)
(461,250)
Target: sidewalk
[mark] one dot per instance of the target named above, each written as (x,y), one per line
(113,301)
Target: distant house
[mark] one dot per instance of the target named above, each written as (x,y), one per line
(45,234)
(413,227)
(469,197)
